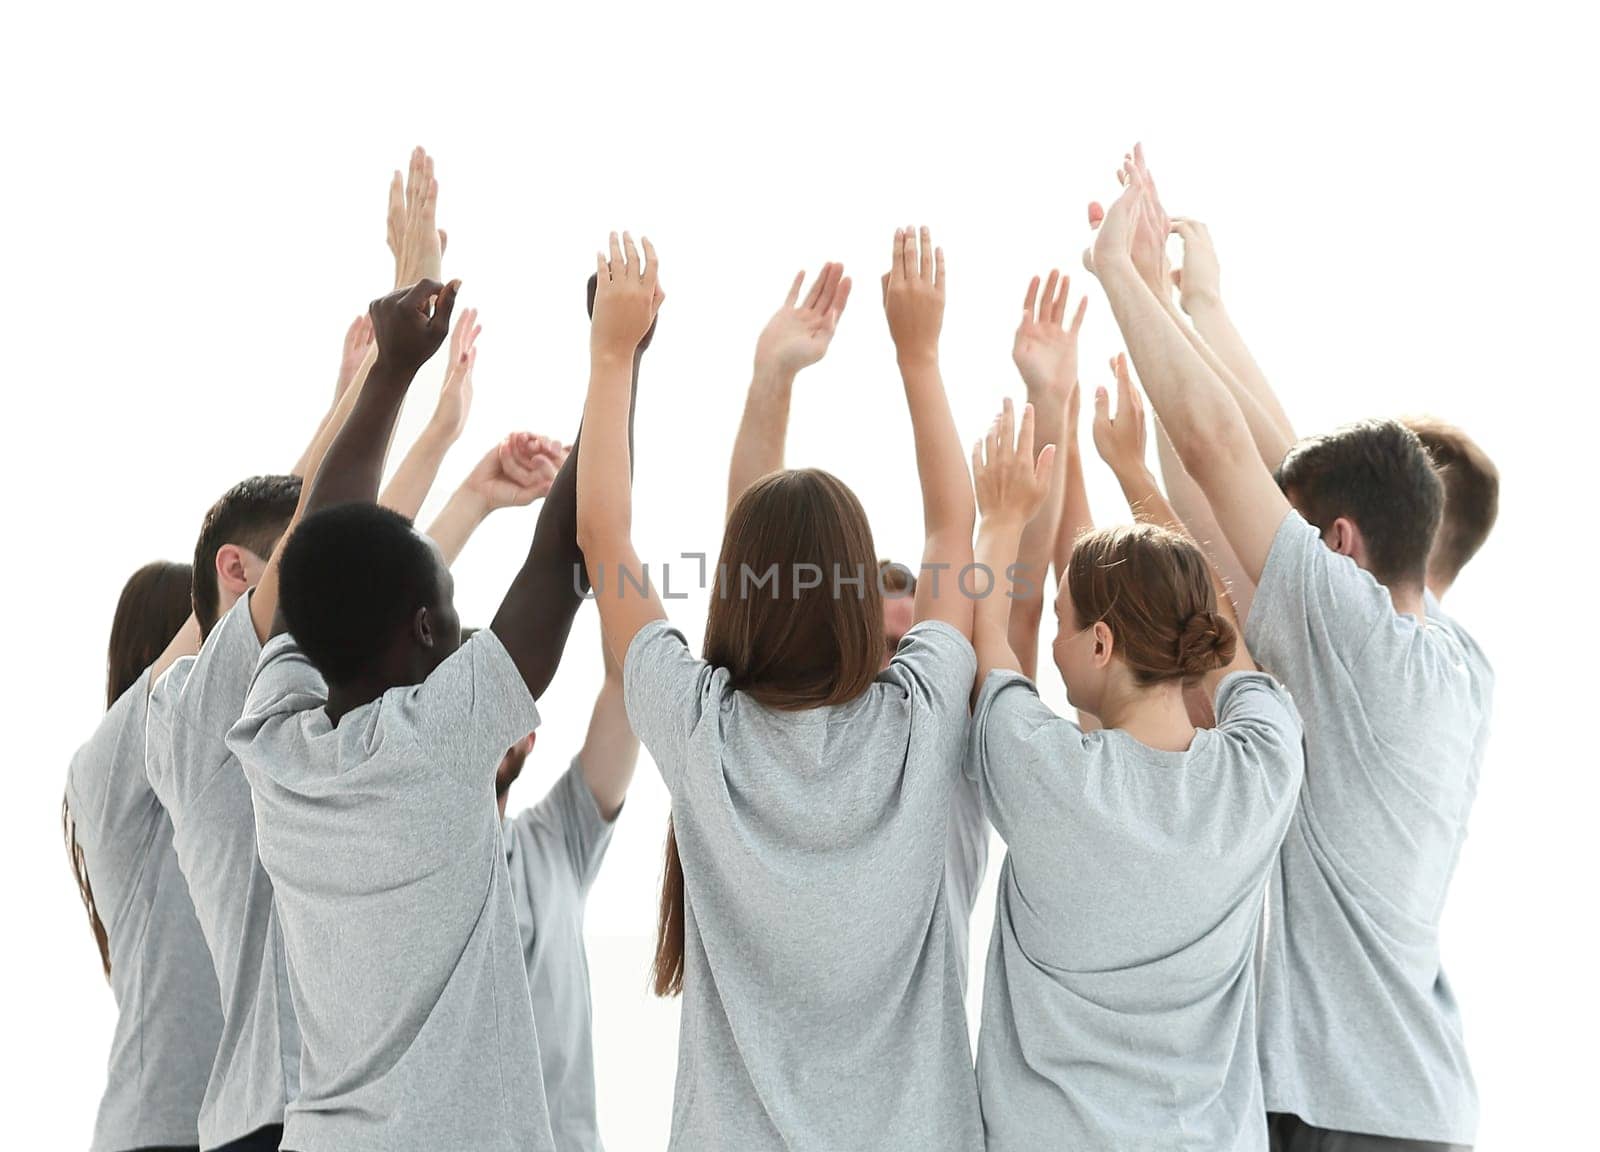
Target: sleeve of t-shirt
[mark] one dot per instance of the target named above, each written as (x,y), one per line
(665,690)
(570,807)
(469,710)
(936,664)
(1257,715)
(1312,605)
(1014,749)
(285,685)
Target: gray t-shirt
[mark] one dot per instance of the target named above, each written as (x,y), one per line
(1119,997)
(383,842)
(168,1019)
(967,857)
(821,1008)
(553,853)
(198,780)
(1359,1030)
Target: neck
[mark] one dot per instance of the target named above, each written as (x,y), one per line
(1155,716)
(1408,602)
(346,698)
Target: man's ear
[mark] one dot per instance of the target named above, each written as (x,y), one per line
(422,627)
(1104,643)
(233,571)
(1345,538)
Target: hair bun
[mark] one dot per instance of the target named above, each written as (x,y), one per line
(1207,643)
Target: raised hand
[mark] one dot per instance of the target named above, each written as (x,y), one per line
(1120,439)
(1115,229)
(627,296)
(1150,236)
(455,398)
(357,343)
(409,324)
(413,232)
(1045,351)
(1010,483)
(1199,280)
(517,471)
(913,295)
(798,334)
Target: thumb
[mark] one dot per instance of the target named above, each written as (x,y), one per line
(440,322)
(444,241)
(1102,406)
(1042,466)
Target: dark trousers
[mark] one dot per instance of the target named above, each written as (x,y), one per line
(261,1140)
(1289,1133)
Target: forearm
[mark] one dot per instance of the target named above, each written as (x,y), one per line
(353,467)
(996,550)
(1076,519)
(456,523)
(1038,538)
(1270,434)
(758,448)
(610,749)
(1216,328)
(947,507)
(1192,508)
(411,482)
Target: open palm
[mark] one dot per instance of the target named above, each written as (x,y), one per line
(799,333)
(1045,349)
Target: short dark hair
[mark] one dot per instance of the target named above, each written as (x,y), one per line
(1377,474)
(350,577)
(252,514)
(1471,494)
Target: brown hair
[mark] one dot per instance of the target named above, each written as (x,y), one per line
(796,620)
(1152,587)
(1471,494)
(152,608)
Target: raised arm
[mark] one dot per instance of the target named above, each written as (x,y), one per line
(1120,440)
(409,485)
(185,643)
(1201,523)
(1045,352)
(1200,294)
(514,473)
(913,298)
(1010,486)
(408,325)
(627,297)
(795,338)
(610,749)
(352,365)
(1206,425)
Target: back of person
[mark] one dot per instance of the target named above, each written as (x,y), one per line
(390,877)
(821,1003)
(1360,1030)
(168,1020)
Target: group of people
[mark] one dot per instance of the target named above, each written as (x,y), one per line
(1217,921)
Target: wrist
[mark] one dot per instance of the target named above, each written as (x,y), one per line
(471,503)
(1203,301)
(391,374)
(917,359)
(442,430)
(611,356)
(768,373)
(1134,477)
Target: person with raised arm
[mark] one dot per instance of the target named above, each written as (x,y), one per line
(1360,1036)
(370,723)
(1119,993)
(553,852)
(803,917)
(119,842)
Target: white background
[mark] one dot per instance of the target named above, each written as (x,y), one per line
(1403,200)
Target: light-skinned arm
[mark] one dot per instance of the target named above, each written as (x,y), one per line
(411,482)
(795,338)
(627,297)
(1208,429)
(1045,352)
(513,474)
(352,364)
(610,749)
(913,299)
(1010,485)
(1120,440)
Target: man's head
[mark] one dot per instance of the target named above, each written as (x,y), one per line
(368,598)
(1471,497)
(1372,493)
(899,604)
(236,539)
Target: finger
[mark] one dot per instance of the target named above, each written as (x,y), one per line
(977,459)
(1102,407)
(652,273)
(908,254)
(1047,305)
(1042,467)
(397,205)
(1025,433)
(938,268)
(1008,425)
(1125,401)
(440,322)
(602,274)
(794,289)
(418,295)
(444,241)
(818,287)
(414,178)
(897,261)
(1177,278)
(841,297)
(635,265)
(617,265)
(1030,301)
(926,270)
(1077,317)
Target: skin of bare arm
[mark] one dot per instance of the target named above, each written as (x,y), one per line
(1208,429)
(413,479)
(186,642)
(795,338)
(627,296)
(610,749)
(1045,352)
(913,299)
(514,473)
(1120,440)
(1010,485)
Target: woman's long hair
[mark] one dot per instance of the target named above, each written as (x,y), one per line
(796,621)
(152,608)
